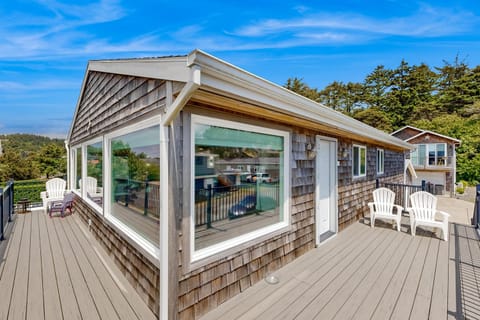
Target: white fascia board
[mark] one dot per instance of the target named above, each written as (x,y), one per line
(168,68)
(434,134)
(405,127)
(223,76)
(79,99)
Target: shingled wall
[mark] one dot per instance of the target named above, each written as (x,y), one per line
(142,274)
(112,101)
(203,289)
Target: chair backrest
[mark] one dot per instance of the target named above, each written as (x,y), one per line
(424,205)
(55,187)
(90,185)
(67,200)
(384,199)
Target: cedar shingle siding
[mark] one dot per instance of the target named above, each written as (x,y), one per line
(112,101)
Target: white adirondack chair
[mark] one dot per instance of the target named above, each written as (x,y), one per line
(91,186)
(55,190)
(383,205)
(424,213)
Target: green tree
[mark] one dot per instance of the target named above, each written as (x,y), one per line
(14,166)
(452,87)
(375,118)
(377,84)
(342,97)
(298,86)
(52,160)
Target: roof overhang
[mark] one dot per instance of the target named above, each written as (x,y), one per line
(211,74)
(220,76)
(426,132)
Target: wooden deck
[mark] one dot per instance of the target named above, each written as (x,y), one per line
(54,269)
(366,273)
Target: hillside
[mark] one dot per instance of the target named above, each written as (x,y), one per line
(27,156)
(27,142)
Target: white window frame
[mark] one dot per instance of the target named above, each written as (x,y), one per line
(360,175)
(203,253)
(85,197)
(107,152)
(380,161)
(73,169)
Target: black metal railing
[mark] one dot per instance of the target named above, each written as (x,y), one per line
(6,207)
(143,195)
(218,203)
(476,211)
(403,191)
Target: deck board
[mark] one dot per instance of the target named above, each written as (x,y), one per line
(10,269)
(18,302)
(52,305)
(53,269)
(366,273)
(358,296)
(35,281)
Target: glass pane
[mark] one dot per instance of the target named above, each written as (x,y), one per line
(441,155)
(414,157)
(78,167)
(356,161)
(380,160)
(431,154)
(94,179)
(363,161)
(238,187)
(135,183)
(422,154)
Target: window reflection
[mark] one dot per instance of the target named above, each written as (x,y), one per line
(94,179)
(135,182)
(238,183)
(78,168)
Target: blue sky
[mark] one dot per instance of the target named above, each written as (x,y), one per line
(46,44)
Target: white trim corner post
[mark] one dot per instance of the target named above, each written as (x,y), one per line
(172,109)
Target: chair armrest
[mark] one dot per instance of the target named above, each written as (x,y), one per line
(399,208)
(444,214)
(43,194)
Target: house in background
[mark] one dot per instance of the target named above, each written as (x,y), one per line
(165,132)
(434,158)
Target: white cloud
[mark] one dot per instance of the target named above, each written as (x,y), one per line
(426,22)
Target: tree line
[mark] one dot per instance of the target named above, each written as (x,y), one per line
(26,156)
(443,99)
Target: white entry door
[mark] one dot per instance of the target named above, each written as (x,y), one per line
(326,188)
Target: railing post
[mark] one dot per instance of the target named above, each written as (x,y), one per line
(1,215)
(10,207)
(145,206)
(477,207)
(424,185)
(209,206)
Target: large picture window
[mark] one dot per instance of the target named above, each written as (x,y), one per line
(240,183)
(78,168)
(135,181)
(359,161)
(94,180)
(433,154)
